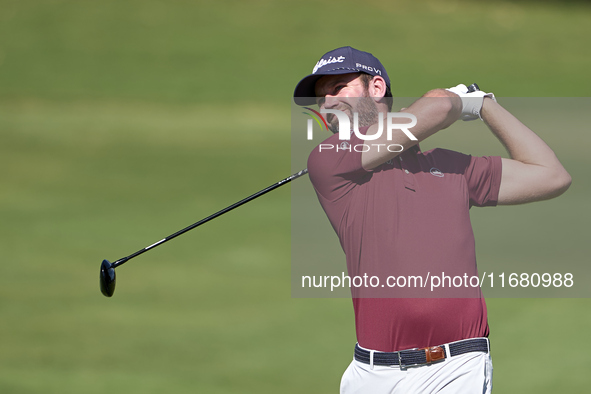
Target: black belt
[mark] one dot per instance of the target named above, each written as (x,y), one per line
(412,357)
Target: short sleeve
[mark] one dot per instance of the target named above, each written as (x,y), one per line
(335,167)
(483,176)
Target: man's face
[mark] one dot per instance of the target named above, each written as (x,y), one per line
(347,93)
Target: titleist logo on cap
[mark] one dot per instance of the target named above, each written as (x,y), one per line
(323,62)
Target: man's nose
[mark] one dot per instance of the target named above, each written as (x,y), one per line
(330,101)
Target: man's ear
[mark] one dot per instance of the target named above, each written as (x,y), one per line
(377,88)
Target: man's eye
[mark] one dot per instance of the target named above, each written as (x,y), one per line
(338,88)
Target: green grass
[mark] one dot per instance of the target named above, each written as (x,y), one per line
(123,121)
(178,51)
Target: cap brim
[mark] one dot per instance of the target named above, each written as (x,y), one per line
(305,91)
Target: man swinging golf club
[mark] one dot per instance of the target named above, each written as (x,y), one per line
(399,210)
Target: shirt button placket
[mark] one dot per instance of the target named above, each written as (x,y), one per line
(409,182)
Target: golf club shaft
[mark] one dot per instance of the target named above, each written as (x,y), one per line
(211,217)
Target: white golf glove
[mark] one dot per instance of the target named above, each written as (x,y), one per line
(471,101)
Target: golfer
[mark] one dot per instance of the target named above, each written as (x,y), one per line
(400,211)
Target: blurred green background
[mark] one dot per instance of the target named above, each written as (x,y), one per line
(123,121)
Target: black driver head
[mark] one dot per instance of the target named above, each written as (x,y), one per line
(107,278)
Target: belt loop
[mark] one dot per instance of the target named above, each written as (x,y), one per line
(447,351)
(371,359)
(488,345)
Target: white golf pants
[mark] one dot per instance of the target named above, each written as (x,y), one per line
(468,373)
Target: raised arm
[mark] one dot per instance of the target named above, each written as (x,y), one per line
(436,110)
(533,172)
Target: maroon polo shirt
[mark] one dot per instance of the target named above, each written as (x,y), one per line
(409,216)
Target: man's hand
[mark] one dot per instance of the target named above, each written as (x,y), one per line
(471,101)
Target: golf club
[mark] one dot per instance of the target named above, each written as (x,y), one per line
(107,272)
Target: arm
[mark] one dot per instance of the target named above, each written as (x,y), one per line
(436,110)
(533,172)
